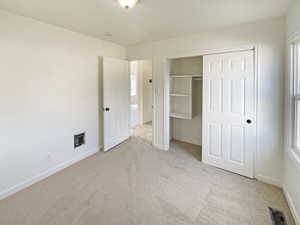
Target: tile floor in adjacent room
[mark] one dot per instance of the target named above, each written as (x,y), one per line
(136,184)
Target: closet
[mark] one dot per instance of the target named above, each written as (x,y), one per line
(186,99)
(213,105)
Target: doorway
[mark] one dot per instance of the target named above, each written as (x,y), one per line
(141,104)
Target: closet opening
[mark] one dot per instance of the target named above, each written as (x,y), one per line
(141,99)
(185,77)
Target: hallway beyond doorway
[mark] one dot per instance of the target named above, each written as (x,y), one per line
(143,131)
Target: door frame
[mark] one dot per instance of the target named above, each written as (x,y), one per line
(165,107)
(140,92)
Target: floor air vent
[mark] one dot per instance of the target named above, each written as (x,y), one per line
(277,217)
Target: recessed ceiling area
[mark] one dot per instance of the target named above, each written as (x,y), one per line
(149,20)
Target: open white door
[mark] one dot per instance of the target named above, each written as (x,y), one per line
(116,102)
(229,114)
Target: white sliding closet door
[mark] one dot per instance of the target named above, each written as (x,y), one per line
(116,101)
(229,111)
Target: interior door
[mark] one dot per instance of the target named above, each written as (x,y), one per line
(229,111)
(116,102)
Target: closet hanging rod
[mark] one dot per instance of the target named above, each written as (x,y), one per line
(198,79)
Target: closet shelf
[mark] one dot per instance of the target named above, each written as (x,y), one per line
(185,75)
(179,95)
(180,116)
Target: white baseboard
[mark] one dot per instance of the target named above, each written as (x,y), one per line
(187,140)
(269,180)
(295,160)
(161,147)
(45,174)
(292,206)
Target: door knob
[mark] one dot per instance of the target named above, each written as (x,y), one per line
(106,109)
(249,121)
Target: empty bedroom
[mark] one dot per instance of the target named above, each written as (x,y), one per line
(148,112)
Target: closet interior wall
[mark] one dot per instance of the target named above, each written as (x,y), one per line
(187,130)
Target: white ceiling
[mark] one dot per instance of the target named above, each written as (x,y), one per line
(150,20)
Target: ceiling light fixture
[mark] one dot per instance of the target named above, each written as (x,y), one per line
(127,4)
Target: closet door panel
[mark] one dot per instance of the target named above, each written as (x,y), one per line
(229,104)
(116,101)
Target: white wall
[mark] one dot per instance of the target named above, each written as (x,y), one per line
(48,93)
(269,36)
(291,180)
(293,18)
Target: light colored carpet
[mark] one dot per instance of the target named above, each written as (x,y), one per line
(143,131)
(136,184)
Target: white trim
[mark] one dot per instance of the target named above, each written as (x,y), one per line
(154,105)
(291,205)
(294,90)
(290,117)
(140,91)
(287,119)
(161,147)
(212,51)
(294,157)
(45,174)
(167,105)
(194,141)
(269,180)
(160,103)
(153,141)
(257,71)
